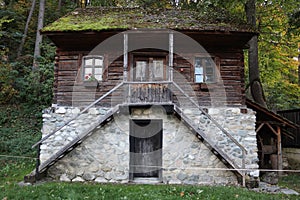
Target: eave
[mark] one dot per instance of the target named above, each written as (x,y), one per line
(87,40)
(265,115)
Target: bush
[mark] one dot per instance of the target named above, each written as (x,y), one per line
(35,86)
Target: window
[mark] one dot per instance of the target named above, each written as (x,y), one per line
(204,70)
(92,68)
(149,69)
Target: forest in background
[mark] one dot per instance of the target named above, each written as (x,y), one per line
(24,82)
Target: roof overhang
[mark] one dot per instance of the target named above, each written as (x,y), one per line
(209,39)
(265,115)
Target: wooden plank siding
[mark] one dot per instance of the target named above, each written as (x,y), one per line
(69,89)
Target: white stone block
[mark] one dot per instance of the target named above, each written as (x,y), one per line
(46,116)
(254,173)
(75,111)
(213,111)
(61,110)
(174,182)
(93,111)
(78,179)
(64,178)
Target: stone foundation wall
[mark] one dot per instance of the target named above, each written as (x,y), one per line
(293,157)
(104,156)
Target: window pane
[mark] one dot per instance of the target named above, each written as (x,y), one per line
(88,71)
(199,78)
(88,61)
(98,62)
(209,71)
(198,62)
(98,77)
(209,78)
(140,73)
(158,69)
(199,70)
(98,70)
(207,62)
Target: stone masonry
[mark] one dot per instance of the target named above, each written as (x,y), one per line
(104,155)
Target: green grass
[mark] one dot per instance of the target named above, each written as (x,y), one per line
(19,129)
(110,191)
(291,181)
(114,191)
(13,173)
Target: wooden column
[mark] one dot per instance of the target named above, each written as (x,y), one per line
(125,68)
(125,57)
(171,51)
(279,151)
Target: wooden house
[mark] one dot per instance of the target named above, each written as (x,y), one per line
(148,96)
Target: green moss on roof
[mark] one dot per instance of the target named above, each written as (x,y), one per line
(100,18)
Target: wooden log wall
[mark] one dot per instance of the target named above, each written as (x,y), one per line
(69,89)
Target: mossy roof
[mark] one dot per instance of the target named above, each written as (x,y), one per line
(107,18)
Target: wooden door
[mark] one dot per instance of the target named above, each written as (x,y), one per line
(145,148)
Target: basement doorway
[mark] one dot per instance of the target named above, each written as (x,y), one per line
(145,143)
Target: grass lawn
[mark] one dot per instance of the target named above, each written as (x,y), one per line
(14,172)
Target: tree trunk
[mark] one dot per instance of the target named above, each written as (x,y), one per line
(59,5)
(254,77)
(39,38)
(299,66)
(19,53)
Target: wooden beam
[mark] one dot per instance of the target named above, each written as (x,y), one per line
(279,151)
(260,126)
(272,129)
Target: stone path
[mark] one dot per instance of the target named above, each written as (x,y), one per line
(274,189)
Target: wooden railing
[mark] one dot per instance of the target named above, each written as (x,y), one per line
(148,92)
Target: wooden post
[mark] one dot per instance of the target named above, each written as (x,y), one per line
(171,50)
(125,57)
(125,68)
(279,151)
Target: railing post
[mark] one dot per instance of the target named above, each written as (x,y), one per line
(125,58)
(171,57)
(125,68)
(243,168)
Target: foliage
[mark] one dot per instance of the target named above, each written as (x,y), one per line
(7,77)
(35,87)
(278,45)
(7,74)
(19,130)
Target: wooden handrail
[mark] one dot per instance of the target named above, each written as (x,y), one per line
(77,115)
(211,118)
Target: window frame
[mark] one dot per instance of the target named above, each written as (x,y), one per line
(149,70)
(93,66)
(215,68)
